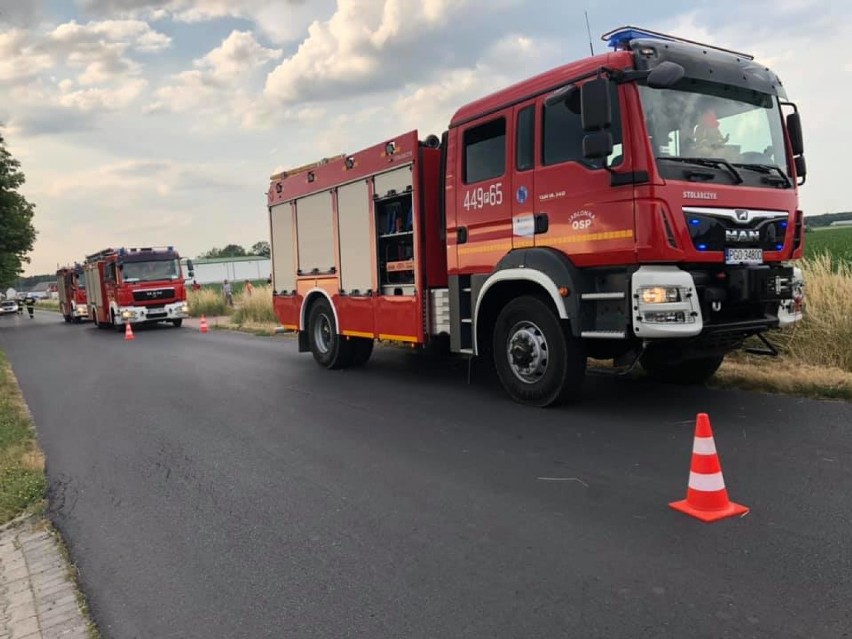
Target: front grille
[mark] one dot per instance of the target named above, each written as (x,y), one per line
(732,295)
(147,295)
(716,229)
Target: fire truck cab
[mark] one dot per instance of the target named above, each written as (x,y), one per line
(639,205)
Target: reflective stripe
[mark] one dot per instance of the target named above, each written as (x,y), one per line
(706,483)
(704,446)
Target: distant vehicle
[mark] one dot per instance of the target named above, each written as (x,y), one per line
(135,286)
(72,293)
(8,307)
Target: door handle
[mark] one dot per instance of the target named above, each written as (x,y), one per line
(461,235)
(542,223)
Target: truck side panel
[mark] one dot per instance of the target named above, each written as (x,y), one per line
(315,234)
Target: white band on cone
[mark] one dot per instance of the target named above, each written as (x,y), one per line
(704,446)
(706,483)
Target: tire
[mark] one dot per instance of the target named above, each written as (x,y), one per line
(528,329)
(177,323)
(327,347)
(362,348)
(687,372)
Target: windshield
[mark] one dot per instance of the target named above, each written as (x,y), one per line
(80,282)
(704,120)
(150,271)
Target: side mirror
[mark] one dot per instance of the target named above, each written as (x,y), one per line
(665,75)
(801,168)
(597,145)
(190,268)
(595,103)
(794,130)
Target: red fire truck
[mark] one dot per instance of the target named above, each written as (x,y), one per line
(640,206)
(72,293)
(136,286)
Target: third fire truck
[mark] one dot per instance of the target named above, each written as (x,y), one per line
(136,286)
(640,205)
(71,286)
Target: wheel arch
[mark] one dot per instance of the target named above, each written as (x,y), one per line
(537,271)
(311,298)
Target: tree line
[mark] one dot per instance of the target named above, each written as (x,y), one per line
(235,250)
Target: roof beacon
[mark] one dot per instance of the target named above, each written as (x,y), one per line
(619,39)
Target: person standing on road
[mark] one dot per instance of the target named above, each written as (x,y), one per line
(226,291)
(30,302)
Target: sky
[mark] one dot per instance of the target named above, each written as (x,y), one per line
(159,122)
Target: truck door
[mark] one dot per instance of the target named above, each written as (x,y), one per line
(483,207)
(589,211)
(523,175)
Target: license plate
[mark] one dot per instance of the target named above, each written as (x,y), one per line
(743,256)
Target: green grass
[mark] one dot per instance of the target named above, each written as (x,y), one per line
(836,242)
(22,482)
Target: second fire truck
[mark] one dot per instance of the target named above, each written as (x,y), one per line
(639,205)
(136,286)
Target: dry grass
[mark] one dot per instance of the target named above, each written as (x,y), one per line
(207,302)
(816,353)
(22,482)
(255,308)
(824,337)
(783,375)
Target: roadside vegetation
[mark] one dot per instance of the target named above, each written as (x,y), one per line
(835,241)
(816,353)
(48,305)
(22,482)
(208,302)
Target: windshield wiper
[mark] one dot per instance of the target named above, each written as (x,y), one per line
(711,162)
(767,169)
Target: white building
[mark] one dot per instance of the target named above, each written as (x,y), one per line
(233,269)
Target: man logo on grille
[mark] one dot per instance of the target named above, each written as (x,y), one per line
(742,215)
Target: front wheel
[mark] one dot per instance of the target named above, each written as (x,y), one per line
(328,349)
(538,361)
(694,371)
(177,323)
(362,349)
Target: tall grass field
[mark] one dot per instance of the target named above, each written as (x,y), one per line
(836,242)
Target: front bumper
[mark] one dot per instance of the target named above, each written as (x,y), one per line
(719,301)
(158,313)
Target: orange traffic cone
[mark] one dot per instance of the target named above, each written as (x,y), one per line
(706,495)
(204,328)
(128,332)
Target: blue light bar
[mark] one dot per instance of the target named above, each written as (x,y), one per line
(620,38)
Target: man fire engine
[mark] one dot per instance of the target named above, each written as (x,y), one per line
(639,205)
(72,293)
(136,286)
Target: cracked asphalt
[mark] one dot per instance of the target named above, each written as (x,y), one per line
(222,485)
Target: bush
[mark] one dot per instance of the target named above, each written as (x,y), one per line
(207,302)
(255,308)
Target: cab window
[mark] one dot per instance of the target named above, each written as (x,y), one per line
(562,134)
(485,151)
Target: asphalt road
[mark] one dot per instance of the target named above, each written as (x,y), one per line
(222,485)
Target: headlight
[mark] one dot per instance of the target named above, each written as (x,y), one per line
(128,314)
(660,294)
(184,308)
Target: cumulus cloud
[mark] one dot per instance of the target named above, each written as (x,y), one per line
(364,47)
(220,79)
(19,14)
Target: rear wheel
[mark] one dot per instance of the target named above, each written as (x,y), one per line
(328,349)
(694,371)
(538,361)
(362,348)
